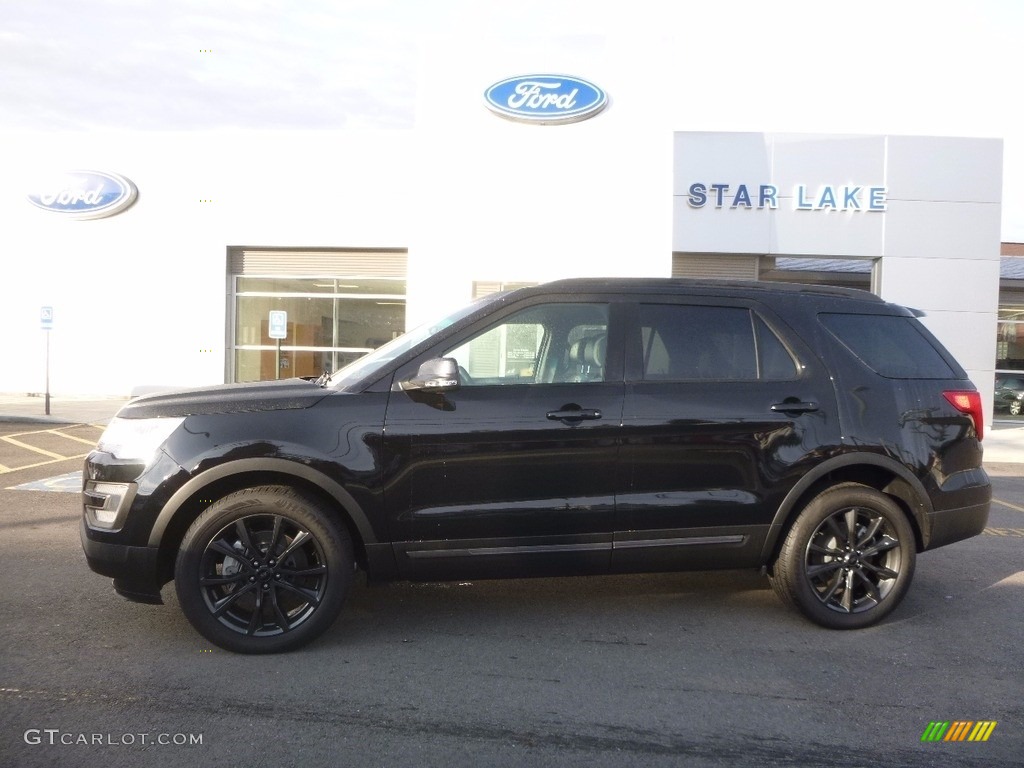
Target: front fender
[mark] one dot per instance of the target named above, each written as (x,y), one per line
(262,465)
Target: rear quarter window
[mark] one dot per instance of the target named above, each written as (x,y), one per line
(891,345)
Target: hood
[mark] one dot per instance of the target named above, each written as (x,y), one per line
(227,398)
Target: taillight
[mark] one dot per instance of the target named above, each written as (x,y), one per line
(968,402)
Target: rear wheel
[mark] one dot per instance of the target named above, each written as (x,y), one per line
(848,559)
(263,570)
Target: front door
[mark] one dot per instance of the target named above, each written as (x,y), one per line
(513,471)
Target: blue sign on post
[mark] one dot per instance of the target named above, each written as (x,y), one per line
(278,330)
(278,324)
(46,323)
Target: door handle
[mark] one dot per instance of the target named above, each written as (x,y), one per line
(574,414)
(792,405)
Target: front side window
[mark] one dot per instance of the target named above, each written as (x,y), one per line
(545,344)
(375,362)
(696,342)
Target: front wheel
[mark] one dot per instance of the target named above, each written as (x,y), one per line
(848,559)
(263,570)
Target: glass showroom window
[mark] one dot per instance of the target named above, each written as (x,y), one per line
(1010,339)
(331,322)
(1009,393)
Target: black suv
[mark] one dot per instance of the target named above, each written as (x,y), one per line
(582,426)
(1009,395)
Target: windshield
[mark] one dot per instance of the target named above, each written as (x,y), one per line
(375,361)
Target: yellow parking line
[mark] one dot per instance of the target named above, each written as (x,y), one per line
(33,432)
(1008,505)
(71,437)
(55,429)
(4,471)
(28,447)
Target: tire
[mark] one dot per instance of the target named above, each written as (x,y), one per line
(848,559)
(263,570)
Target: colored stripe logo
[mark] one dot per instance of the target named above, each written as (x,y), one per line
(959,730)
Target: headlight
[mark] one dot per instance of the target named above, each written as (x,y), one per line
(136,439)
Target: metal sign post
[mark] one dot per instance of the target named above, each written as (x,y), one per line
(278,323)
(46,323)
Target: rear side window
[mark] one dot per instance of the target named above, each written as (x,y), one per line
(891,345)
(694,342)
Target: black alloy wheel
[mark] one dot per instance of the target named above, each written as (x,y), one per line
(263,570)
(849,558)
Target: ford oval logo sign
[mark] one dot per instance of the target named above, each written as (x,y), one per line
(84,194)
(545,99)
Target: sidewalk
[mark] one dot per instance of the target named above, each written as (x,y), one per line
(22,409)
(1004,442)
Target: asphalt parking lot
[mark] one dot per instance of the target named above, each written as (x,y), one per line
(32,446)
(659,670)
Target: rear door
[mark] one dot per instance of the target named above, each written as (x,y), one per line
(724,409)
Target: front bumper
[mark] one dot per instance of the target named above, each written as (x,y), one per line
(134,570)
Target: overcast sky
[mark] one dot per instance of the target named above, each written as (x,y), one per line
(871,66)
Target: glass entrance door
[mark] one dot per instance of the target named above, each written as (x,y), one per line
(331,322)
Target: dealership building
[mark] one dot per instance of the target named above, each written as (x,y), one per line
(157,258)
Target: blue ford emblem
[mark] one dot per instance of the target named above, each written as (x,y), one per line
(84,194)
(545,99)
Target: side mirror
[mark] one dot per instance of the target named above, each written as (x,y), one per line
(438,375)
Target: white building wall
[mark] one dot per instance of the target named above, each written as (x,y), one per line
(141,297)
(942,243)
(506,201)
